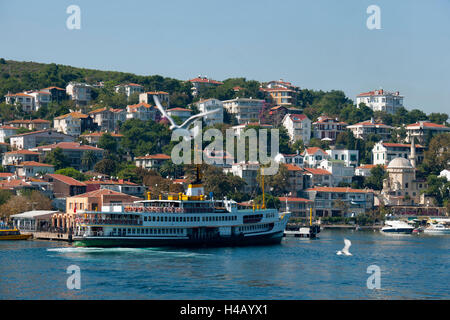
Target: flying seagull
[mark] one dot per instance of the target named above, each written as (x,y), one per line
(186,133)
(345,251)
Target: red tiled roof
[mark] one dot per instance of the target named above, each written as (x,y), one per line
(292,167)
(9,128)
(390,144)
(69,146)
(57,88)
(24,151)
(157,92)
(102,192)
(158,156)
(427,125)
(370,124)
(28,121)
(203,80)
(317,171)
(110,182)
(99,134)
(313,150)
(76,115)
(179,109)
(5,174)
(141,104)
(33,164)
(68,180)
(297,117)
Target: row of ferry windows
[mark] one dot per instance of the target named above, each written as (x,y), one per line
(149,231)
(254,227)
(189,219)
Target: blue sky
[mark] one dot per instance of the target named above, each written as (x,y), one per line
(321,44)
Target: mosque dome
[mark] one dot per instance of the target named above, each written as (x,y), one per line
(400,163)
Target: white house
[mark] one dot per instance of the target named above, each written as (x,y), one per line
(384,152)
(380,100)
(181,113)
(129,88)
(313,156)
(32,168)
(298,127)
(245,109)
(32,139)
(210,105)
(326,128)
(6,132)
(445,173)
(151,161)
(69,123)
(141,111)
(350,157)
(79,92)
(339,171)
(147,97)
(420,130)
(239,129)
(25,100)
(363,129)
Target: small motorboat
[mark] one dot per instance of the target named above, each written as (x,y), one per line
(437,229)
(397,227)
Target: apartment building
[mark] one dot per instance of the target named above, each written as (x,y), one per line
(245,109)
(298,127)
(381,100)
(363,129)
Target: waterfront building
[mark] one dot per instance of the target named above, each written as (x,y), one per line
(363,129)
(298,127)
(381,100)
(299,207)
(340,201)
(326,128)
(423,131)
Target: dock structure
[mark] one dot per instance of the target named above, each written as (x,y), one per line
(55,236)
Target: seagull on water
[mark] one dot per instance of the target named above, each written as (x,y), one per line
(345,251)
(186,133)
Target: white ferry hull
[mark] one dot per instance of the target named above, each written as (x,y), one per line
(238,240)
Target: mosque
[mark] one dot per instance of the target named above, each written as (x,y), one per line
(402,187)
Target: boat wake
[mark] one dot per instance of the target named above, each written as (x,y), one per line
(147,251)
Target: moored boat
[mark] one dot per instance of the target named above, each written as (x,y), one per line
(397,227)
(436,229)
(13,234)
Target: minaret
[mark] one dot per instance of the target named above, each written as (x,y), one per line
(412,157)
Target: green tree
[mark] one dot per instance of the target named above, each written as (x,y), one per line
(88,159)
(375,180)
(73,173)
(106,166)
(57,158)
(439,188)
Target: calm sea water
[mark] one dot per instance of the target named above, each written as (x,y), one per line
(412,267)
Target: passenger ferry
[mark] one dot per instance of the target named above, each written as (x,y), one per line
(180,220)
